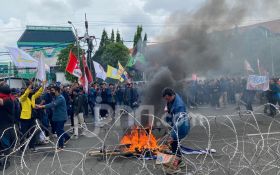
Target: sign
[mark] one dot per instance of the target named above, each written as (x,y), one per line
(260,83)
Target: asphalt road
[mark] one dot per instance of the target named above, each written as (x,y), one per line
(245,143)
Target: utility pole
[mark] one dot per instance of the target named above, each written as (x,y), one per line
(89,41)
(86,39)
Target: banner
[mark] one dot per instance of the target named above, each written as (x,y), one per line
(260,83)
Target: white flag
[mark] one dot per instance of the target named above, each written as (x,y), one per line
(248,67)
(41,69)
(99,71)
(22,59)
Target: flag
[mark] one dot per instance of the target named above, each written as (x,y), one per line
(131,61)
(84,82)
(72,65)
(262,71)
(113,73)
(258,62)
(86,70)
(99,71)
(137,61)
(41,69)
(22,59)
(248,67)
(122,72)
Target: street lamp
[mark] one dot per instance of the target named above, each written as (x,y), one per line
(77,43)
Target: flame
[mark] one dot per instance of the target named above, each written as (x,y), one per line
(139,140)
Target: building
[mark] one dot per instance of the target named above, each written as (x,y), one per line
(46,40)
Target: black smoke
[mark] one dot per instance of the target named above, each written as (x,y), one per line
(189,47)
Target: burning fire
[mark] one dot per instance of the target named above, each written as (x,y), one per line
(139,139)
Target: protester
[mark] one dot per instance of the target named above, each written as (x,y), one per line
(92,98)
(177,118)
(59,115)
(79,108)
(27,122)
(131,96)
(7,121)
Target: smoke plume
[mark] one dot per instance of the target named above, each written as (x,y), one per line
(189,47)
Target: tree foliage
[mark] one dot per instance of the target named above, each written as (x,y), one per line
(111,54)
(118,37)
(113,36)
(104,39)
(62,61)
(138,37)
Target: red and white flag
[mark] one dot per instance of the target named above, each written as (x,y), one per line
(73,65)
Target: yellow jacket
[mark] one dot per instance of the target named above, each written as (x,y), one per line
(27,104)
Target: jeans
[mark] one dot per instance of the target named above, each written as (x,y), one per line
(45,123)
(91,105)
(178,132)
(59,129)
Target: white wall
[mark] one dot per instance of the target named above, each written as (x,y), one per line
(60,77)
(15,83)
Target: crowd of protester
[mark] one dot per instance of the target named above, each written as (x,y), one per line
(50,107)
(219,93)
(23,110)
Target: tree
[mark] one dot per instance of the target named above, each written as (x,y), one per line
(111,54)
(138,37)
(144,43)
(62,61)
(104,39)
(112,36)
(118,37)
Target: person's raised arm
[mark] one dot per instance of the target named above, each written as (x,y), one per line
(26,93)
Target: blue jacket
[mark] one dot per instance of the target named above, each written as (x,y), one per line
(178,106)
(180,126)
(131,97)
(92,95)
(59,108)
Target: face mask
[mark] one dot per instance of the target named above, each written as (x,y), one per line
(52,94)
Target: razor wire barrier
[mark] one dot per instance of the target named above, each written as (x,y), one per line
(246,143)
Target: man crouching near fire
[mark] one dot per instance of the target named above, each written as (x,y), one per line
(177,118)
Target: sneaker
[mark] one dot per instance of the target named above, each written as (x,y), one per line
(44,142)
(67,140)
(47,139)
(75,137)
(34,150)
(83,133)
(59,149)
(71,131)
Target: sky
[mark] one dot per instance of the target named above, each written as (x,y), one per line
(122,15)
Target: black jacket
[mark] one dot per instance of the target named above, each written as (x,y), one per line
(78,104)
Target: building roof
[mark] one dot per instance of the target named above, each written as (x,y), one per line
(272,26)
(47,34)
